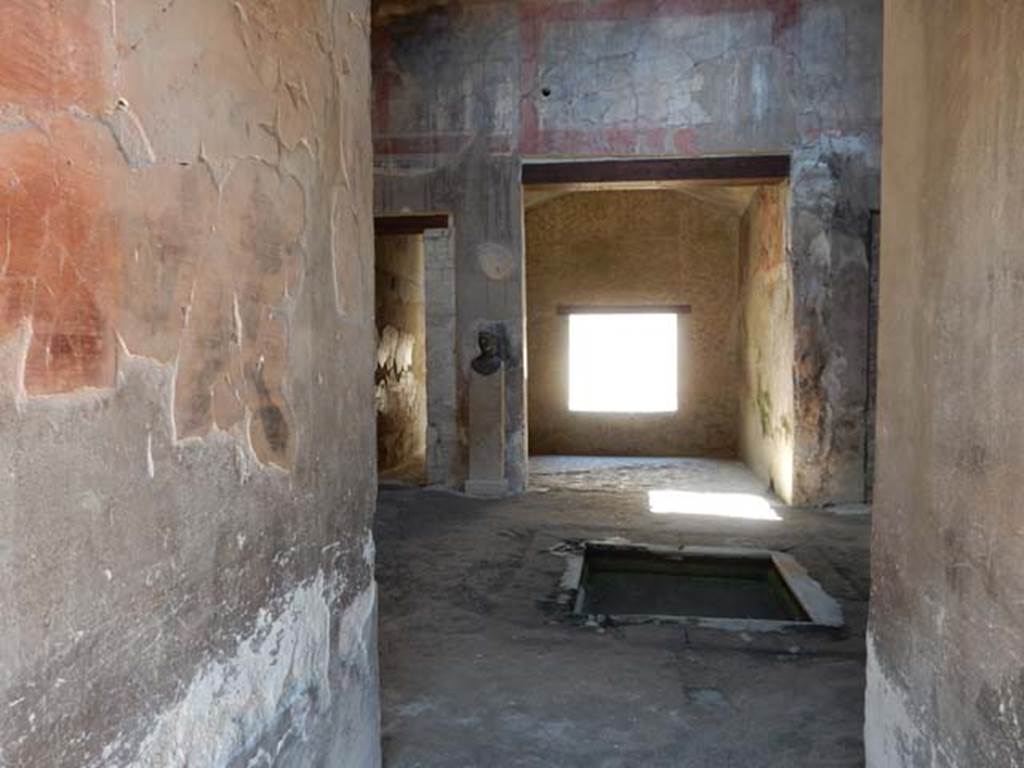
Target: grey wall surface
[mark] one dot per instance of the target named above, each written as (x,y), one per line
(946,634)
(765,346)
(464,91)
(186,398)
(442,421)
(634,248)
(401,377)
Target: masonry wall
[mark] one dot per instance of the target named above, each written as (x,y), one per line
(464,91)
(401,375)
(623,249)
(442,421)
(946,636)
(186,399)
(765,344)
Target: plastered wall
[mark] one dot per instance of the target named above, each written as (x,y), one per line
(186,397)
(634,248)
(465,91)
(765,341)
(945,677)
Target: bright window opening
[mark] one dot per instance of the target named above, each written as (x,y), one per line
(623,363)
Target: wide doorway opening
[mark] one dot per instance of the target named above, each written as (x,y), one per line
(415,401)
(659,313)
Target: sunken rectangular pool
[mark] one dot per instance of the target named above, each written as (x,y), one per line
(729,588)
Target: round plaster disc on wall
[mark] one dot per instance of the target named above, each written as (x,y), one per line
(497,261)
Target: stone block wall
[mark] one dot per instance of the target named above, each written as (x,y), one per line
(442,426)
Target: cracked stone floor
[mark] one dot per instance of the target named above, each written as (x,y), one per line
(482,667)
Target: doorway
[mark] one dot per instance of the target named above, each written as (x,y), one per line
(659,312)
(414,277)
(401,367)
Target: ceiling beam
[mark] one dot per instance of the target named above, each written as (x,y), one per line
(413,224)
(750,169)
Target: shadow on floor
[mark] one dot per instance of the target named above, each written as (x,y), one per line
(482,666)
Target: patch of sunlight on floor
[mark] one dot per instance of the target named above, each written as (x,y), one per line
(744,506)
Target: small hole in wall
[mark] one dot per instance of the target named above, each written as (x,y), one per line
(545,92)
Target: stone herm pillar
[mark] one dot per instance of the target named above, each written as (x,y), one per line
(487,419)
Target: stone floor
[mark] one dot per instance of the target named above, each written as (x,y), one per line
(481,665)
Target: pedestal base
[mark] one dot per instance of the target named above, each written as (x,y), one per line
(487,435)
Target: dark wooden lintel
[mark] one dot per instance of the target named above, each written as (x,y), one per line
(409,225)
(761,168)
(617,309)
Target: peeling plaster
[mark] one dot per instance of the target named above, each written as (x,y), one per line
(182,422)
(281,668)
(946,668)
(131,136)
(892,736)
(13,354)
